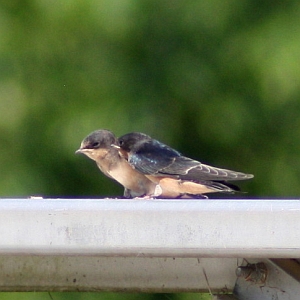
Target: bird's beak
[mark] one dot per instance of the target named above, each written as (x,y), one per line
(115,146)
(80,150)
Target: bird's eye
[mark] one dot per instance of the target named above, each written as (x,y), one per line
(95,145)
(121,142)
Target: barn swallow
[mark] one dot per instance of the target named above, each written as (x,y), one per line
(98,147)
(177,175)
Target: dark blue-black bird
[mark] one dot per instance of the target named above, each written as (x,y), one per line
(174,174)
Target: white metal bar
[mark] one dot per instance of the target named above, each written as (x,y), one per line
(165,228)
(139,245)
(130,274)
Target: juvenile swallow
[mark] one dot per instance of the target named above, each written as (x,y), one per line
(177,175)
(98,147)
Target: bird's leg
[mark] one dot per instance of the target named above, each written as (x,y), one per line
(127,193)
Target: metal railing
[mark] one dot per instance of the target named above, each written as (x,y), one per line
(140,245)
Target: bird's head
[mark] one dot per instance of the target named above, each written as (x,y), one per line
(131,141)
(97,143)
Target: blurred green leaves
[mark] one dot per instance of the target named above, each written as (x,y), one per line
(218,80)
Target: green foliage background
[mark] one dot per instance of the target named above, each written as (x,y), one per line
(219,80)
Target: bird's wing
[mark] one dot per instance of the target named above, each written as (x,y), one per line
(157,159)
(189,169)
(152,156)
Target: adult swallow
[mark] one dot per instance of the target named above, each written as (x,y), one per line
(98,147)
(177,175)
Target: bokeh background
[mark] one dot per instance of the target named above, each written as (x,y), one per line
(219,80)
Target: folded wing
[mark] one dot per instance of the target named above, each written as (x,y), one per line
(157,159)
